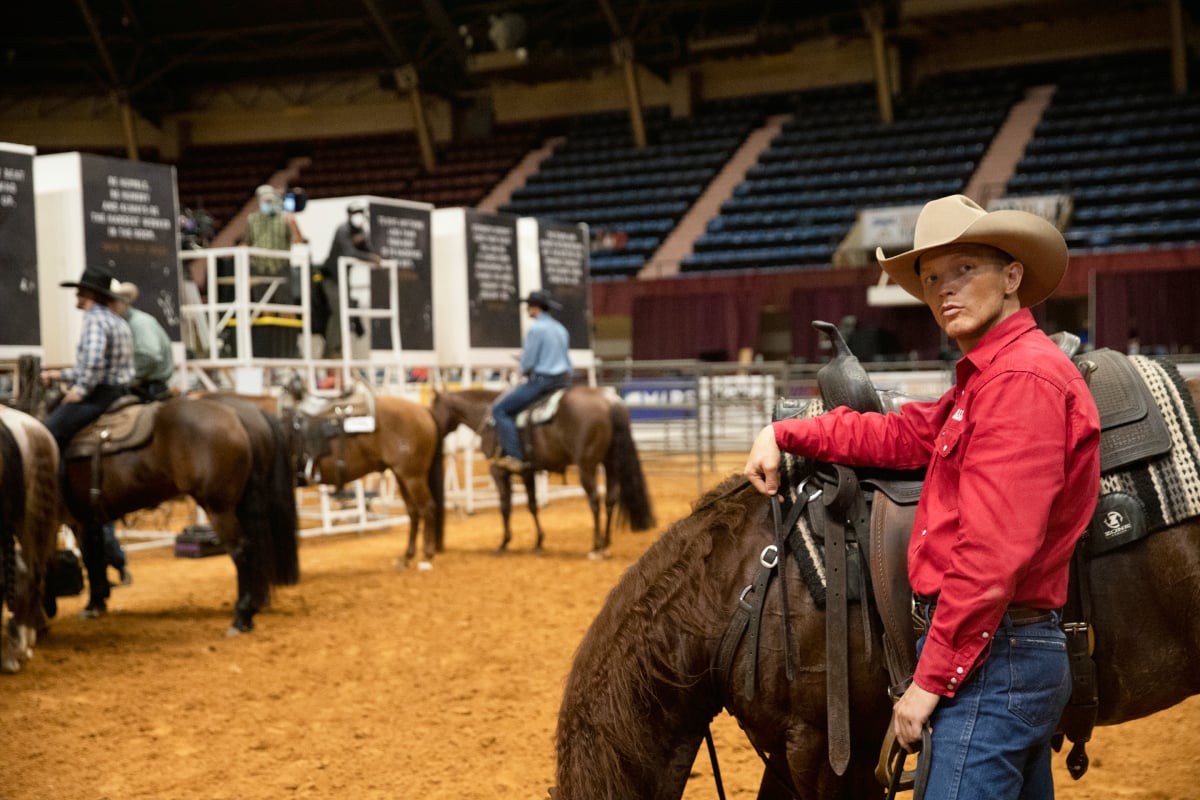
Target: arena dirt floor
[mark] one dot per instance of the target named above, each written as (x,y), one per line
(365,682)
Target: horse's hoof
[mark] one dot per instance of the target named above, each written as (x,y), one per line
(537,551)
(233,631)
(10,666)
(424,566)
(599,555)
(93,612)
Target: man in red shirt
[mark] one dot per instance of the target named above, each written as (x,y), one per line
(1012,457)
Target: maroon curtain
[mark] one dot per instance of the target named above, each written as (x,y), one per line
(710,326)
(1160,306)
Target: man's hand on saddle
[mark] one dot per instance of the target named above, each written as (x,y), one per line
(911,714)
(762,465)
(53,377)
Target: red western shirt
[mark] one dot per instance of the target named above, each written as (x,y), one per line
(1012,453)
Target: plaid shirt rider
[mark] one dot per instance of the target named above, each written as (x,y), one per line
(105,352)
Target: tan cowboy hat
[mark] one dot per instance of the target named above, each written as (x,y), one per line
(957,219)
(127,291)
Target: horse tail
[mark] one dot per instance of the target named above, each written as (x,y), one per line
(281,508)
(623,468)
(12,509)
(267,507)
(437,489)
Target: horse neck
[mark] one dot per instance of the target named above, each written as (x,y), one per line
(633,652)
(471,410)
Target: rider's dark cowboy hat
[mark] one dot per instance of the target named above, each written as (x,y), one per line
(542,300)
(97,279)
(957,219)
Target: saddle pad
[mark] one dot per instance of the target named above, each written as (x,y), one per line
(359,424)
(1131,425)
(542,411)
(1168,485)
(358,402)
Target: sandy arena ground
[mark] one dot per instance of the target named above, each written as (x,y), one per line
(364,682)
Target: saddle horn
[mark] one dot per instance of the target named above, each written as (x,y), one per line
(844,381)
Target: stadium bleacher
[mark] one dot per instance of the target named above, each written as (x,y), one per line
(599,177)
(1116,138)
(1124,146)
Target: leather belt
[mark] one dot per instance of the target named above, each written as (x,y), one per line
(1018,615)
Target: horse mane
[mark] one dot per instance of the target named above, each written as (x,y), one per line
(462,405)
(649,640)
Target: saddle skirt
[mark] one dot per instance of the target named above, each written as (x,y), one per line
(126,425)
(1132,428)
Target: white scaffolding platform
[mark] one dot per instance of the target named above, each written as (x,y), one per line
(223,357)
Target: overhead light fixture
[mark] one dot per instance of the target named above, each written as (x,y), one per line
(497,60)
(730,41)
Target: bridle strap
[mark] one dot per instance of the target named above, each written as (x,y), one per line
(712,756)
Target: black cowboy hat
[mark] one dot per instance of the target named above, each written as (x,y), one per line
(97,279)
(542,300)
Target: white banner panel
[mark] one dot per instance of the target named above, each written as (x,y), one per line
(890,227)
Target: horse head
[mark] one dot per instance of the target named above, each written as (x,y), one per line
(295,429)
(294,388)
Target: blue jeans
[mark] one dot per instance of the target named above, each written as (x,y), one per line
(991,741)
(114,554)
(506,408)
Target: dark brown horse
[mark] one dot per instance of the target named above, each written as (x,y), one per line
(643,689)
(589,429)
(29,518)
(405,440)
(232,459)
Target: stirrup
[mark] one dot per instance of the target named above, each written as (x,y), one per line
(890,770)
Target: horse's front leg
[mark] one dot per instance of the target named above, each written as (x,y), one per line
(414,528)
(504,489)
(20,634)
(530,479)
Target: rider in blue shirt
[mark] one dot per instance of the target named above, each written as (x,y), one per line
(546,365)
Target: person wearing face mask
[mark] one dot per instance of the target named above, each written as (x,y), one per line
(271,228)
(352,240)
